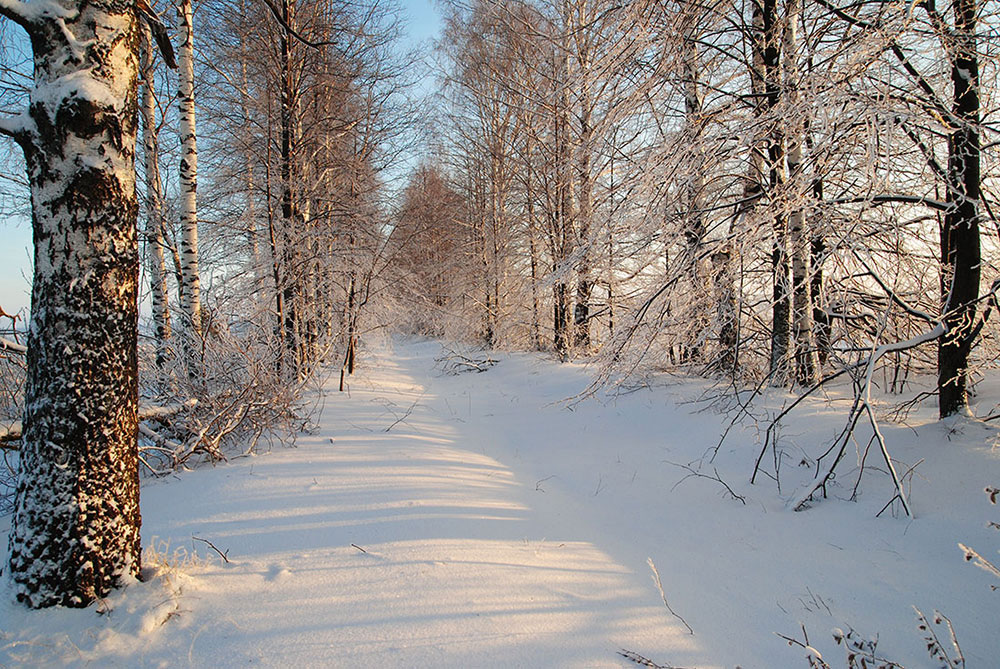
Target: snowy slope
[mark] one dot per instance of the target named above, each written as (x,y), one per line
(475,520)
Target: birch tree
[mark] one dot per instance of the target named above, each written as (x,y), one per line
(159,295)
(75,529)
(189,280)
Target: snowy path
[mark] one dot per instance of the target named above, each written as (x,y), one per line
(464,564)
(475,521)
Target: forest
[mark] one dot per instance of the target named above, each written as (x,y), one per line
(253,221)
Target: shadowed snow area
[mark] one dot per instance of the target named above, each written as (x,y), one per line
(449,563)
(473,520)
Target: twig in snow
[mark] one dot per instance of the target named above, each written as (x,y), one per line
(936,649)
(978,560)
(600,486)
(813,656)
(697,474)
(406,414)
(224,556)
(359,548)
(539,482)
(644,661)
(663,596)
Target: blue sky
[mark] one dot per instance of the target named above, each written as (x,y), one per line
(15,264)
(15,233)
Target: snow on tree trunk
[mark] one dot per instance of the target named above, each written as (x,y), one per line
(154,210)
(694,181)
(806,359)
(781,302)
(960,246)
(190,282)
(75,529)
(564,206)
(585,199)
(290,214)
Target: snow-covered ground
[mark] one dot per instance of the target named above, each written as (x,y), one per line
(476,520)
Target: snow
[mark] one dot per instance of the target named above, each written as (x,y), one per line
(477,520)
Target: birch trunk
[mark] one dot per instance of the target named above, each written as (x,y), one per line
(564,206)
(694,184)
(585,191)
(533,250)
(289,212)
(190,281)
(806,359)
(75,529)
(154,209)
(781,302)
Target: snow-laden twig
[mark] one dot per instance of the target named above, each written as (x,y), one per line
(813,656)
(937,650)
(642,661)
(978,560)
(862,405)
(663,595)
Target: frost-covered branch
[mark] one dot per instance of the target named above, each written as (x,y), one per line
(18,127)
(12,346)
(29,15)
(927,318)
(875,200)
(863,404)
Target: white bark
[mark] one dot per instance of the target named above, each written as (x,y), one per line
(190,284)
(154,208)
(806,355)
(75,528)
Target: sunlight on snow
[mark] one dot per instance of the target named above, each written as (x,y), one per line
(404,542)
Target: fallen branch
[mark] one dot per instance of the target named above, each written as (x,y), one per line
(13,346)
(148,411)
(15,430)
(454,363)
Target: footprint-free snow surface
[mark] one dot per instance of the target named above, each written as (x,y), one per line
(477,520)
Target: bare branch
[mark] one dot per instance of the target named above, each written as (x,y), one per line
(12,346)
(280,18)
